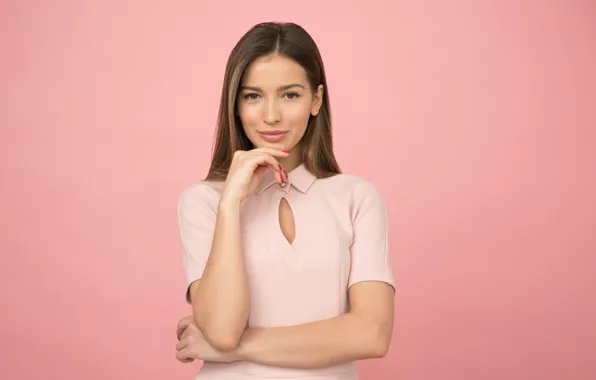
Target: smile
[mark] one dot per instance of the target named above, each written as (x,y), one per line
(273,136)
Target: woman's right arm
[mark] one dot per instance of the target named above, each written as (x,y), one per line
(220,299)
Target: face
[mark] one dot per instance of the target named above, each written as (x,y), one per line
(275,102)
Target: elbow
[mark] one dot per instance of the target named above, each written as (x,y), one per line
(380,349)
(219,336)
(379,342)
(223,342)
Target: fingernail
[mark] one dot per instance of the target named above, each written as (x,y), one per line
(286,173)
(286,151)
(280,168)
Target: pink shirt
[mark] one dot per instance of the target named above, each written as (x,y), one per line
(341,239)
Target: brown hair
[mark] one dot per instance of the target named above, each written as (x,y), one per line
(292,41)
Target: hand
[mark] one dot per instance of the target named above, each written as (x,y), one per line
(182,325)
(247,169)
(192,345)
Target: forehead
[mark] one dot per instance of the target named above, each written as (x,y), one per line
(273,71)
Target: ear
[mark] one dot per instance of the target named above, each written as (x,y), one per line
(317,101)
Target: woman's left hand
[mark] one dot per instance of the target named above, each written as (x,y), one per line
(192,345)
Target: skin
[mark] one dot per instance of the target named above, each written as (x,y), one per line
(274,95)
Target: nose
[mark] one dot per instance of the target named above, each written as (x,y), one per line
(271,114)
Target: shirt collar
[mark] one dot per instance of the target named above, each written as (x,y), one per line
(300,178)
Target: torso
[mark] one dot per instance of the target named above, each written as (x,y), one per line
(296,243)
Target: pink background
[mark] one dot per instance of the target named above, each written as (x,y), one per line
(475,118)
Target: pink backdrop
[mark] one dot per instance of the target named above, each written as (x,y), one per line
(475,118)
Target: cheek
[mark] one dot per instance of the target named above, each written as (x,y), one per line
(250,117)
(298,115)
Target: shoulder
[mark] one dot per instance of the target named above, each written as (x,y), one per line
(203,194)
(356,188)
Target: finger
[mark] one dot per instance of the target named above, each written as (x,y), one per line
(272,151)
(277,173)
(183,355)
(264,158)
(182,324)
(188,332)
(181,333)
(181,344)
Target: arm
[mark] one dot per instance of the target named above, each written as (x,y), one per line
(211,238)
(220,301)
(365,332)
(211,232)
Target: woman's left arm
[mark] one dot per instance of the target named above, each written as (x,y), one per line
(363,333)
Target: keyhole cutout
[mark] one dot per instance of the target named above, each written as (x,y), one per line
(286,221)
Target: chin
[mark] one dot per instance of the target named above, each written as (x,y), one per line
(273,145)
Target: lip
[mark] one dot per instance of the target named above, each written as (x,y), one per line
(273,136)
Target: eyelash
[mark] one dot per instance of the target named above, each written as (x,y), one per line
(250,96)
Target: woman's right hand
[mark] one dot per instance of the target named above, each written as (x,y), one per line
(247,169)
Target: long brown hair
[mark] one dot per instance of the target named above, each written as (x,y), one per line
(292,41)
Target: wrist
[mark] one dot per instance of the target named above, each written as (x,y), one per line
(243,351)
(228,204)
(234,356)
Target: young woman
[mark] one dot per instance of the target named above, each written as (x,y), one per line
(285,258)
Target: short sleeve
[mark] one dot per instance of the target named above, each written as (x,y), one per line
(369,250)
(197,212)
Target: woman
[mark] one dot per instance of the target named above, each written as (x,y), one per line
(285,258)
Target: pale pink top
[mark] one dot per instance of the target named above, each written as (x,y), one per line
(341,239)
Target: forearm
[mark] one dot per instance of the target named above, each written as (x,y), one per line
(315,345)
(221,299)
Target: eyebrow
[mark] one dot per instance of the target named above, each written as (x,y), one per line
(282,88)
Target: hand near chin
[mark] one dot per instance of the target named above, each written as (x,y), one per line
(193,346)
(247,169)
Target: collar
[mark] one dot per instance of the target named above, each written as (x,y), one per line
(300,178)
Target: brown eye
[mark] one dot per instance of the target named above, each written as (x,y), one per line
(292,95)
(251,96)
